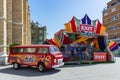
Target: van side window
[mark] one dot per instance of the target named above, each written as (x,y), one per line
(17,50)
(29,50)
(42,50)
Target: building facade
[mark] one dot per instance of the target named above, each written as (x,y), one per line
(38,33)
(14,23)
(111,20)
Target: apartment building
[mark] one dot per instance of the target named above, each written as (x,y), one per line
(111,20)
(38,33)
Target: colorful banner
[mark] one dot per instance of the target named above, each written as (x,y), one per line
(51,41)
(113,45)
(86,30)
(68,27)
(100,29)
(100,57)
(86,20)
(71,26)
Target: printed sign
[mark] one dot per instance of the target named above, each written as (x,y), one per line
(86,30)
(29,59)
(100,57)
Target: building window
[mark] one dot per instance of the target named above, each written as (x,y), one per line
(41,31)
(113,9)
(40,37)
(32,38)
(109,28)
(106,14)
(33,31)
(118,15)
(113,28)
(113,4)
(40,42)
(113,18)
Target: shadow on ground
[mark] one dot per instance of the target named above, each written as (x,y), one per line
(85,64)
(28,71)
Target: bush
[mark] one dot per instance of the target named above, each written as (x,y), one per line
(11,45)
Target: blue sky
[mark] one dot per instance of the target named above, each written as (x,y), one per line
(55,13)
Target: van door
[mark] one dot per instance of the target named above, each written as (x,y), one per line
(29,56)
(44,56)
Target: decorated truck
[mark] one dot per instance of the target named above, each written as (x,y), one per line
(41,56)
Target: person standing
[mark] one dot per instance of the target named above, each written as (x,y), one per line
(90,49)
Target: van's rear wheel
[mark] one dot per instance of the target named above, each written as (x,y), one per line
(41,67)
(16,66)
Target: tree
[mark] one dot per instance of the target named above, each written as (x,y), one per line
(13,44)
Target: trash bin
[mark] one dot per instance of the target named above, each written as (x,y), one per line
(3,59)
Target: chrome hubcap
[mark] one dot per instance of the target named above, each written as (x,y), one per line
(40,67)
(15,65)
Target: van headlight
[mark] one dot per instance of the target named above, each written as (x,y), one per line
(55,60)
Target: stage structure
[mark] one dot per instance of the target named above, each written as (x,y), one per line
(84,31)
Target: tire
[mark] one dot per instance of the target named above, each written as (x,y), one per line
(16,66)
(41,67)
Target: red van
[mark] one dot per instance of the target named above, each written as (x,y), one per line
(41,56)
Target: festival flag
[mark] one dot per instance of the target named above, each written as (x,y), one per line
(77,22)
(60,36)
(68,27)
(57,41)
(113,45)
(100,29)
(86,20)
(58,33)
(66,39)
(51,41)
(94,22)
(100,43)
(54,41)
(71,27)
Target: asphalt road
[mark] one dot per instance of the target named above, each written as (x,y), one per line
(104,71)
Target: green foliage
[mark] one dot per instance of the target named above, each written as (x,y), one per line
(13,44)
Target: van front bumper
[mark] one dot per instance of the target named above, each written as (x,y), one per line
(59,65)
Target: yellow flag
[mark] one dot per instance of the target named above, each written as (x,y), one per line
(68,27)
(57,41)
(102,31)
(110,43)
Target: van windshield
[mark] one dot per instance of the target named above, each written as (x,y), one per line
(54,49)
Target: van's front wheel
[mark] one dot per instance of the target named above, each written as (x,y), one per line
(41,67)
(16,66)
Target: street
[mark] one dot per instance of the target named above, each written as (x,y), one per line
(103,71)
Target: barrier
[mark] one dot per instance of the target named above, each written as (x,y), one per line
(3,59)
